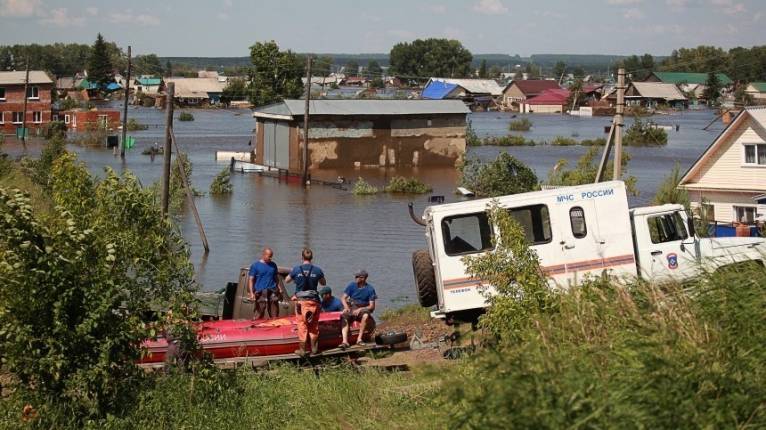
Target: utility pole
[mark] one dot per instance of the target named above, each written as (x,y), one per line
(306,123)
(618,124)
(24,114)
(125,111)
(167,149)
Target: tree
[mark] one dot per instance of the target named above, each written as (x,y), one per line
(100,64)
(586,170)
(351,68)
(741,97)
(236,89)
(6,59)
(421,59)
(495,71)
(532,71)
(505,175)
(275,74)
(669,192)
(575,92)
(168,69)
(321,66)
(712,91)
(483,72)
(374,70)
(559,69)
(147,65)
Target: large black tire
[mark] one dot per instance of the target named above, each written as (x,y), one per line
(391,338)
(425,279)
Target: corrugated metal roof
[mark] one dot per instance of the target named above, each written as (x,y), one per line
(532,87)
(196,87)
(475,86)
(659,90)
(689,77)
(437,90)
(554,96)
(759,86)
(17,77)
(149,81)
(293,107)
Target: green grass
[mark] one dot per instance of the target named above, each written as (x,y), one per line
(363,188)
(402,185)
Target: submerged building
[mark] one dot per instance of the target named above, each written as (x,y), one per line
(348,133)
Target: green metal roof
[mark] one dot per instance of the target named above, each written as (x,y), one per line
(149,81)
(689,77)
(759,86)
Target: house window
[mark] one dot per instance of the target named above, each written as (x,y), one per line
(2,117)
(18,117)
(37,117)
(33,93)
(535,221)
(745,214)
(667,228)
(2,93)
(577,220)
(66,119)
(103,121)
(466,234)
(755,154)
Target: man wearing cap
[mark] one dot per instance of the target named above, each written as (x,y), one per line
(330,303)
(307,278)
(358,303)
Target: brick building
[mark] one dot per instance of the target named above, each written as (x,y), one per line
(39,91)
(94,119)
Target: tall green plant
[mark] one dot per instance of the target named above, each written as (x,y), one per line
(505,175)
(669,192)
(586,170)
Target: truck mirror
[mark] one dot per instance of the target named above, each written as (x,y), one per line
(690,223)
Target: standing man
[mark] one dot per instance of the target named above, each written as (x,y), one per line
(358,303)
(330,303)
(307,278)
(263,282)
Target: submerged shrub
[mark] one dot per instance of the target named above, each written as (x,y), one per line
(645,134)
(134,125)
(222,183)
(362,187)
(186,116)
(522,124)
(505,175)
(400,184)
(563,141)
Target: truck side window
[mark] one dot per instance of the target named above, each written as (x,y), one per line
(535,221)
(466,234)
(577,220)
(667,228)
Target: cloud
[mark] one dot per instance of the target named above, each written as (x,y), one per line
(490,7)
(402,34)
(223,16)
(623,2)
(729,7)
(227,3)
(436,9)
(92,11)
(20,8)
(633,13)
(60,18)
(128,17)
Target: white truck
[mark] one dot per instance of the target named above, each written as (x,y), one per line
(576,231)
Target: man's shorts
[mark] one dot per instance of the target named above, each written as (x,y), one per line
(269,295)
(351,317)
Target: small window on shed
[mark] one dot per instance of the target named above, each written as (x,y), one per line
(577,220)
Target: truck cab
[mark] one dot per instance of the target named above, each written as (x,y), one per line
(579,231)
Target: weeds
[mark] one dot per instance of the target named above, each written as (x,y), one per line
(222,183)
(186,116)
(134,125)
(522,124)
(363,188)
(400,184)
(645,134)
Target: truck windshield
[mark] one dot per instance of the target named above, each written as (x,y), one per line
(466,234)
(667,228)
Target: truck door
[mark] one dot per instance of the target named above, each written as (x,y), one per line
(665,249)
(581,242)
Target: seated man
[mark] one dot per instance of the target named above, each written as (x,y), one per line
(330,303)
(358,303)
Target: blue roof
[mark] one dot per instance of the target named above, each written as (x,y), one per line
(437,90)
(113,86)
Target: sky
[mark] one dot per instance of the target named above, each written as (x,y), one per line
(227,28)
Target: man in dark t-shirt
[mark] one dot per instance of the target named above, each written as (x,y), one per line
(307,278)
(358,303)
(263,280)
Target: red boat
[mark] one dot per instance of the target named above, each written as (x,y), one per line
(225,339)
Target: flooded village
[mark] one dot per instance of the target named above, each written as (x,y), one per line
(398,222)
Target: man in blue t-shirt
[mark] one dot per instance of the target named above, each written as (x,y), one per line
(306,275)
(307,278)
(358,303)
(330,303)
(262,283)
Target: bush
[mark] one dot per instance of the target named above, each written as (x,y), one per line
(222,183)
(134,125)
(78,284)
(54,129)
(69,104)
(610,355)
(400,184)
(39,170)
(505,175)
(586,170)
(645,134)
(600,141)
(471,139)
(563,141)
(510,140)
(185,116)
(522,124)
(361,188)
(668,191)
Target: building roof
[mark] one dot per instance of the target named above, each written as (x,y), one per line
(758,114)
(587,89)
(65,83)
(288,109)
(759,86)
(689,78)
(149,81)
(556,96)
(474,86)
(187,88)
(437,90)
(533,87)
(658,90)
(18,77)
(85,84)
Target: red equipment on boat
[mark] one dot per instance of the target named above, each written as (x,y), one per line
(253,338)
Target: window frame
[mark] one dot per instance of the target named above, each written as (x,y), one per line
(675,224)
(2,117)
(32,90)
(550,225)
(490,233)
(13,117)
(3,92)
(38,114)
(744,208)
(584,222)
(758,149)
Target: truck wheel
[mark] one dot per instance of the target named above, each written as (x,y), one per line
(425,279)
(391,338)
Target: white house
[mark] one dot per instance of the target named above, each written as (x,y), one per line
(728,180)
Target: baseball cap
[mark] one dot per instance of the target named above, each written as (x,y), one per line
(325,290)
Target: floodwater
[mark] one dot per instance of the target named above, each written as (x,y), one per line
(348,232)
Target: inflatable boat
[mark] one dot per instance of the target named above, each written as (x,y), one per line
(225,339)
